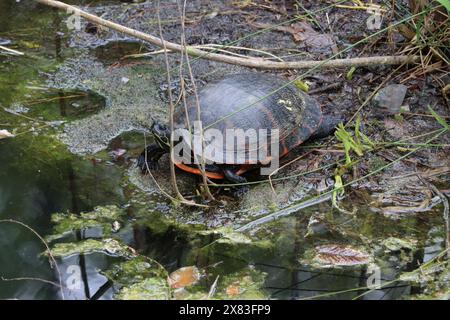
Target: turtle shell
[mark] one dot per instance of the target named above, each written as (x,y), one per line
(246,101)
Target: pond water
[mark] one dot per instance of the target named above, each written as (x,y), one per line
(39,176)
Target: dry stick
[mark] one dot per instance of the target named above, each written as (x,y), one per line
(246,62)
(171,111)
(197,101)
(11,51)
(183,97)
(32,279)
(212,45)
(52,259)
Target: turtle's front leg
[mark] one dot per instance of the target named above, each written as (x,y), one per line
(148,160)
(230,175)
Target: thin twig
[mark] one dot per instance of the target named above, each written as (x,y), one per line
(171,111)
(51,257)
(33,279)
(197,101)
(246,62)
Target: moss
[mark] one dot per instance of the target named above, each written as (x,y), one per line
(397,244)
(244,285)
(158,224)
(108,246)
(108,218)
(148,289)
(133,271)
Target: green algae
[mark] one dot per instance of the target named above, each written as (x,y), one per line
(397,244)
(148,289)
(107,246)
(135,270)
(108,218)
(246,284)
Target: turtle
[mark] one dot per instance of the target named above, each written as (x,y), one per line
(242,101)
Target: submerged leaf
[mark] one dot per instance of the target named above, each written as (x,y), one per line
(244,285)
(338,255)
(184,277)
(233,290)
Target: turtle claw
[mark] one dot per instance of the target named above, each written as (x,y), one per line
(147,165)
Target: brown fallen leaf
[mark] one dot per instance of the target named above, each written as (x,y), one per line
(233,290)
(303,32)
(5,134)
(338,255)
(424,206)
(184,277)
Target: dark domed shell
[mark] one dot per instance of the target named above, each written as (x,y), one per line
(251,101)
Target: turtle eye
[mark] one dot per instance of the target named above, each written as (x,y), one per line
(160,128)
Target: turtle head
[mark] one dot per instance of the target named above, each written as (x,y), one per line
(161,133)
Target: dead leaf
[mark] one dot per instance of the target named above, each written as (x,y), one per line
(233,290)
(5,134)
(184,277)
(424,206)
(338,255)
(303,32)
(396,128)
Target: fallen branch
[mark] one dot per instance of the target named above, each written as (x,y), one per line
(245,62)
(285,212)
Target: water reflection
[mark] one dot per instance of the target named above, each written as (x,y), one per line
(32,187)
